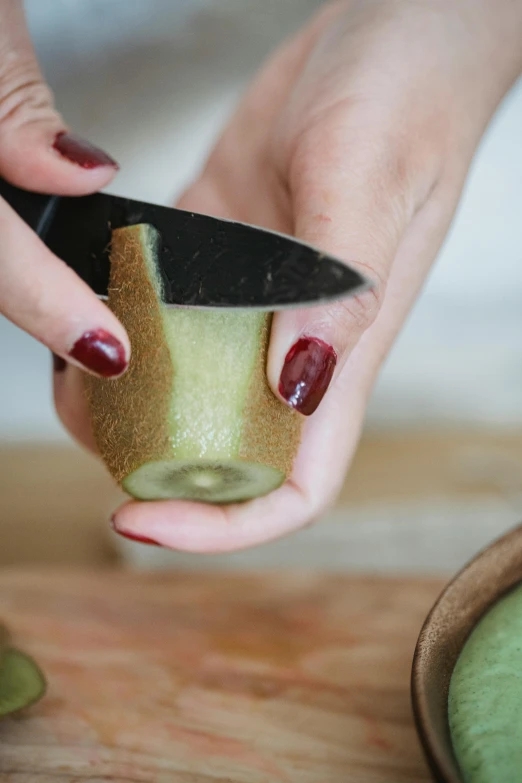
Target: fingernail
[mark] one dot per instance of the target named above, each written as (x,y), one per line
(59,364)
(139,539)
(134,536)
(306,375)
(100,352)
(82,152)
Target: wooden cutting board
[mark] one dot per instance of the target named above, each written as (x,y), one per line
(211,678)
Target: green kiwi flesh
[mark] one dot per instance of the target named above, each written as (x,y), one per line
(193,417)
(21,681)
(213,481)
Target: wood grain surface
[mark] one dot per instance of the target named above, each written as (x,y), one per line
(291,678)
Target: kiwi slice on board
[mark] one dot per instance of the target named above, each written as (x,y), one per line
(21,681)
(193,417)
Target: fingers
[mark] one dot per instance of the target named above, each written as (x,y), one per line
(196,527)
(351,201)
(38,292)
(37,151)
(43,296)
(71,403)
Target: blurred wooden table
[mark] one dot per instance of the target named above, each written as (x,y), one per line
(56,499)
(196,678)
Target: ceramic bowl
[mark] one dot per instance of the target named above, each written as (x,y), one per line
(462,604)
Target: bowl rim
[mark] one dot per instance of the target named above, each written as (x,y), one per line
(443,769)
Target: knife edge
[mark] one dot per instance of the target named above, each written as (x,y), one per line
(206,262)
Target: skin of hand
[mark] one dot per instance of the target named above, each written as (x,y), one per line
(356,137)
(38,292)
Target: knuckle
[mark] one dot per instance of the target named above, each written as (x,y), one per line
(24,96)
(358,312)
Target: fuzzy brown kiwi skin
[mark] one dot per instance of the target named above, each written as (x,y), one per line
(271,431)
(130,414)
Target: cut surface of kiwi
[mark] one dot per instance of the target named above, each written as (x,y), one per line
(193,417)
(215,481)
(21,681)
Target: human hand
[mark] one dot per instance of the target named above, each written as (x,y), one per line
(356,137)
(38,292)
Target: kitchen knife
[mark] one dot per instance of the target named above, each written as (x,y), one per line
(204,261)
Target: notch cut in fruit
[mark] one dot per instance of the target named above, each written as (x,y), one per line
(193,417)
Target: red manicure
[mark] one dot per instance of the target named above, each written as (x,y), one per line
(101,353)
(82,152)
(136,537)
(306,375)
(133,536)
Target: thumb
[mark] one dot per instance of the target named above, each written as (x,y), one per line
(348,202)
(36,149)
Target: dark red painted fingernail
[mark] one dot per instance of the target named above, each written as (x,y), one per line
(59,364)
(307,372)
(82,152)
(100,352)
(134,536)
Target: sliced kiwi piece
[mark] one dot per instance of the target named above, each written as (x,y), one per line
(21,681)
(193,417)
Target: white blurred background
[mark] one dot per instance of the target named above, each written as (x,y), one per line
(152,81)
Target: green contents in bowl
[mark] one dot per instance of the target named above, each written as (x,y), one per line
(485,697)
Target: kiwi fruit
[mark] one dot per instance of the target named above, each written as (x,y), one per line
(21,681)
(193,417)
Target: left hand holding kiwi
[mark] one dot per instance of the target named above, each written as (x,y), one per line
(356,137)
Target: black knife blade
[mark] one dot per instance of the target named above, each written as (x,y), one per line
(204,261)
